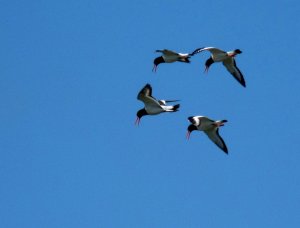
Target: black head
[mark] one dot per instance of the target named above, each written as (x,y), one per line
(139,115)
(208,63)
(157,61)
(190,128)
(237,51)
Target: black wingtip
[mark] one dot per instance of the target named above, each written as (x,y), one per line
(225,151)
(223,147)
(148,86)
(176,107)
(242,81)
(198,50)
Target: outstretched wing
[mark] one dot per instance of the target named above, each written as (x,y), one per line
(145,91)
(169,52)
(145,95)
(230,65)
(213,50)
(213,134)
(198,50)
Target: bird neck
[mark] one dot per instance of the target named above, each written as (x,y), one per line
(159,60)
(142,113)
(192,127)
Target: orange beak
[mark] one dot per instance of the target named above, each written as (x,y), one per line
(154,68)
(206,70)
(137,121)
(188,135)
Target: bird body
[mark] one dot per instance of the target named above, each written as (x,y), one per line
(170,57)
(227,58)
(209,127)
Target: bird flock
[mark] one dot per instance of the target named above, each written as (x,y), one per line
(200,123)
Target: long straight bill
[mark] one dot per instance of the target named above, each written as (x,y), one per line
(137,121)
(154,68)
(188,135)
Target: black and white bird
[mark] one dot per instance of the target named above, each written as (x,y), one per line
(227,58)
(210,128)
(153,106)
(170,57)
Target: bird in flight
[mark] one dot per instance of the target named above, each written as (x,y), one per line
(209,127)
(170,57)
(227,58)
(152,105)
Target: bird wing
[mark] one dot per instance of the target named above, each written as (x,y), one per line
(145,95)
(230,65)
(213,50)
(169,52)
(213,134)
(145,91)
(198,50)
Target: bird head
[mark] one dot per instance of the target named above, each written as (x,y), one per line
(139,116)
(157,61)
(190,128)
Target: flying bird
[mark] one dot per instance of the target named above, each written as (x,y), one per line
(227,58)
(153,106)
(210,128)
(170,57)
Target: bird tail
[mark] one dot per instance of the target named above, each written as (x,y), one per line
(198,50)
(187,60)
(175,108)
(220,123)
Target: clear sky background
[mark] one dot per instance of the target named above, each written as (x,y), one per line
(71,155)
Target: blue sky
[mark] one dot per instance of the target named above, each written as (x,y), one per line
(71,155)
